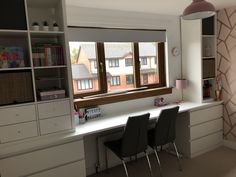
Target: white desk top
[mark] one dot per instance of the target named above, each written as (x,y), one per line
(107,122)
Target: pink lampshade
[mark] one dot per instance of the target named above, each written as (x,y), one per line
(199,9)
(181,83)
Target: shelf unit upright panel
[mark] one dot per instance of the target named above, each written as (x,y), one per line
(198,58)
(191,59)
(208,58)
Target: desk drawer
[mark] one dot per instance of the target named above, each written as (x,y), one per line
(17,114)
(17,132)
(42,160)
(53,109)
(206,142)
(206,128)
(204,115)
(76,169)
(55,124)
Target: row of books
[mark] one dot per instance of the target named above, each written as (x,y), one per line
(48,55)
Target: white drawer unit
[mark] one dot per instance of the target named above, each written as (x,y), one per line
(48,159)
(55,124)
(206,143)
(204,115)
(17,114)
(205,129)
(53,109)
(18,131)
(200,131)
(75,169)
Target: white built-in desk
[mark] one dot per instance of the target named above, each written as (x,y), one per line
(199,129)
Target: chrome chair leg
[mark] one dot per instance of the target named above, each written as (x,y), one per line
(158,160)
(126,172)
(149,164)
(177,154)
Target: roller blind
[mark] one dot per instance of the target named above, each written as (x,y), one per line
(115,35)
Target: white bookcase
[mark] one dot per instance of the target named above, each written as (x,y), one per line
(199,59)
(24,114)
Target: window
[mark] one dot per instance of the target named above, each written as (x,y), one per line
(85,84)
(128,62)
(113,62)
(107,77)
(149,57)
(115,80)
(143,61)
(129,79)
(122,50)
(85,75)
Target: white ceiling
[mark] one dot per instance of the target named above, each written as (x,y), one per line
(169,7)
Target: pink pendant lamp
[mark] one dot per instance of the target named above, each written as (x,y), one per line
(198,9)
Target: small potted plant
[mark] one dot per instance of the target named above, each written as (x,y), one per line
(35,26)
(55,27)
(45,26)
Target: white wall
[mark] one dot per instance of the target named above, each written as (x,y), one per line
(78,16)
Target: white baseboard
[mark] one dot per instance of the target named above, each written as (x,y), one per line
(230,144)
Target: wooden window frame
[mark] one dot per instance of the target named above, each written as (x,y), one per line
(140,91)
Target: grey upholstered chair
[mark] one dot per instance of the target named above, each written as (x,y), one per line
(164,132)
(133,141)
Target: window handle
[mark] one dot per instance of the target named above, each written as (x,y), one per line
(101,66)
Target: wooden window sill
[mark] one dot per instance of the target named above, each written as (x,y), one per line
(106,99)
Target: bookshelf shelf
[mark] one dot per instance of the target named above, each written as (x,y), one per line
(48,67)
(46,33)
(15,69)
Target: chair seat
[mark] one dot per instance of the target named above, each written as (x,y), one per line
(115,147)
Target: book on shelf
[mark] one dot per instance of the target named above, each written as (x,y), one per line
(48,54)
(11,57)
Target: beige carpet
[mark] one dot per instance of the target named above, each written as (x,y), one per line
(220,162)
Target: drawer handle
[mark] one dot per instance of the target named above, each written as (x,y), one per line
(17,115)
(19,131)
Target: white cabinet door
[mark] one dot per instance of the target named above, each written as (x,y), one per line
(41,160)
(55,124)
(53,109)
(206,128)
(18,132)
(76,169)
(204,115)
(17,114)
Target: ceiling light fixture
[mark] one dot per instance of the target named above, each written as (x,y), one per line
(198,9)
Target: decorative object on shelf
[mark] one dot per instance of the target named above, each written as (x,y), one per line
(55,27)
(207,51)
(181,83)
(199,9)
(45,26)
(11,57)
(159,102)
(35,26)
(207,89)
(51,94)
(175,51)
(218,91)
(93,112)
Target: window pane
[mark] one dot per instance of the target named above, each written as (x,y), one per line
(116,55)
(149,72)
(84,67)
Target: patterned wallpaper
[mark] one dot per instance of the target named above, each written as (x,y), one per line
(226,61)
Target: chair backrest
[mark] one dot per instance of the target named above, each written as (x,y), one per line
(134,139)
(165,126)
